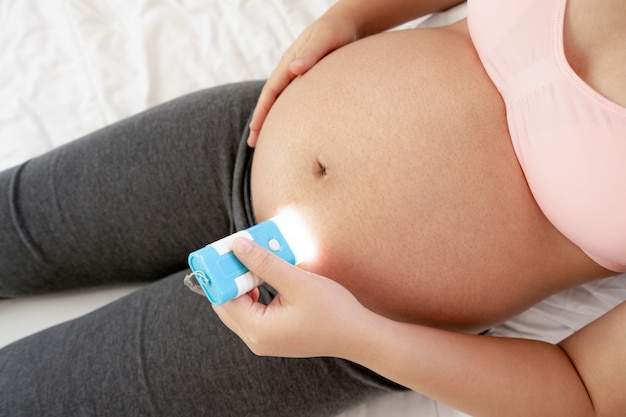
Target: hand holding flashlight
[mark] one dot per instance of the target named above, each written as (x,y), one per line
(310,316)
(222,277)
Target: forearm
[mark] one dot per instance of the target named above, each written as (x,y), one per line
(480,375)
(373,16)
(484,376)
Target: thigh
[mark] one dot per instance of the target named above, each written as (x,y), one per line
(131,200)
(163,352)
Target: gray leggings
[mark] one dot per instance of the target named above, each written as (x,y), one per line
(128,203)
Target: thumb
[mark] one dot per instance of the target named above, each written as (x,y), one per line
(300,65)
(264,264)
(309,54)
(317,42)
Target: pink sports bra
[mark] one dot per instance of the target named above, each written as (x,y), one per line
(569,139)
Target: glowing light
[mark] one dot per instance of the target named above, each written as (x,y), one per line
(297,234)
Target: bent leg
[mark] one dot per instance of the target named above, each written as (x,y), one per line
(163,352)
(131,200)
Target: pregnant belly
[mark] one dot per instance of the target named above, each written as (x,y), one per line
(396,152)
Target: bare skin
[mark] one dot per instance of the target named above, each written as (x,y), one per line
(582,376)
(396,150)
(594,41)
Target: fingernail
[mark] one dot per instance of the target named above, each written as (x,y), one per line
(298,62)
(242,246)
(252,138)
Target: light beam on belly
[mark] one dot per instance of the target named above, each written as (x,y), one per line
(296,232)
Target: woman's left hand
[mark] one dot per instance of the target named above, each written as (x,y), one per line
(310,316)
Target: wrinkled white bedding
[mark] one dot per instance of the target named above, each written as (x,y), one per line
(68,67)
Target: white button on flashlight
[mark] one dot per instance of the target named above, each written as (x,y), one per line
(274,245)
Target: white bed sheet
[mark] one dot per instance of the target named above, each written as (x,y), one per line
(68,67)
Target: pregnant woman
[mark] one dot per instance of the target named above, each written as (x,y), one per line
(409,155)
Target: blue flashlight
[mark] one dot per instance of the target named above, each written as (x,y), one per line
(223,277)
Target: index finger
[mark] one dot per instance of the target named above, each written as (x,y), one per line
(267,266)
(273,87)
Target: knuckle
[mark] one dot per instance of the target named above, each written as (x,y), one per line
(263,262)
(273,89)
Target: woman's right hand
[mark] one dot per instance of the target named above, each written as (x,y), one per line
(323,36)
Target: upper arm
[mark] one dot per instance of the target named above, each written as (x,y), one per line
(598,351)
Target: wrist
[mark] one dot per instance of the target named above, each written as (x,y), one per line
(347,17)
(374,16)
(359,341)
